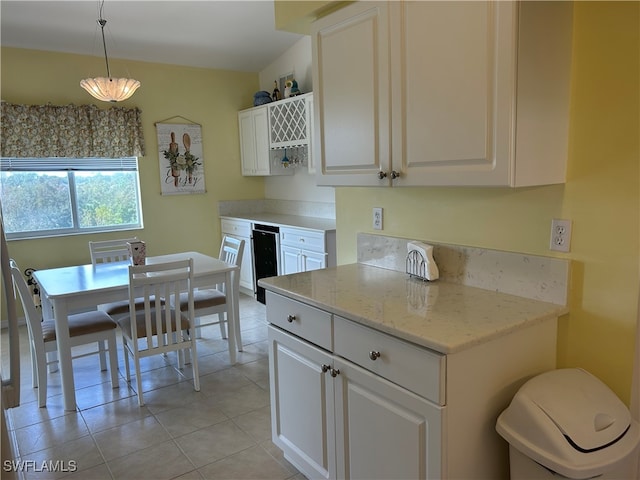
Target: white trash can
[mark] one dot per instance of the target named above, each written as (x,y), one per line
(567,423)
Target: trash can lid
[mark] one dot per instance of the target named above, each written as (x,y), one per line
(571,422)
(583,408)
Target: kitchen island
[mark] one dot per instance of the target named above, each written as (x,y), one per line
(378,375)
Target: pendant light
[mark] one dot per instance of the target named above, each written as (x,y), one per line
(109,89)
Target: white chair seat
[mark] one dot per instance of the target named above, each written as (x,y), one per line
(80,324)
(202,299)
(117,309)
(141,326)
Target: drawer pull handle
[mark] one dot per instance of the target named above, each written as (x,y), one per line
(291,318)
(374,355)
(335,372)
(325,368)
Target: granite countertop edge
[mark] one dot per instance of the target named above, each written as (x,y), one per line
(533,313)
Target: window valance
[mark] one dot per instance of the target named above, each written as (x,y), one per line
(42,131)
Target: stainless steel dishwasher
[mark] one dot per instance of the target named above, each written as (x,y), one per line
(266,251)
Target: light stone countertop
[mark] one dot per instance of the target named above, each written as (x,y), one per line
(445,317)
(284,220)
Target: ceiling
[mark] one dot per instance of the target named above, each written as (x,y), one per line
(230,35)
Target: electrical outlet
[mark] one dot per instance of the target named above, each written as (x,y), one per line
(377,218)
(560,235)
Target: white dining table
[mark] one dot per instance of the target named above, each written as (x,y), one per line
(66,290)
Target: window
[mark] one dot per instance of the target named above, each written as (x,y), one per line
(63,196)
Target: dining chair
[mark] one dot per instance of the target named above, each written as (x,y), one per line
(108,251)
(213,301)
(158,327)
(84,328)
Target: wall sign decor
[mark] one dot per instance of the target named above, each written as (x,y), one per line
(180,157)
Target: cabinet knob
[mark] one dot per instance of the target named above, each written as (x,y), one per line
(374,355)
(335,372)
(382,174)
(291,318)
(394,174)
(325,368)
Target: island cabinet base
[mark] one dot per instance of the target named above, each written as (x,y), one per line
(396,410)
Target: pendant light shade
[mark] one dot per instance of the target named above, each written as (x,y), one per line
(109,89)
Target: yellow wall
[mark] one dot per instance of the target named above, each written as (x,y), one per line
(601,197)
(211,98)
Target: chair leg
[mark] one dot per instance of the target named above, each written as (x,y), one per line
(194,365)
(41,380)
(197,330)
(238,335)
(139,382)
(113,360)
(52,360)
(223,330)
(125,351)
(103,356)
(34,368)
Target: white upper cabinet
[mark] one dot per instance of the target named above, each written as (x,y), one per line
(274,126)
(442,93)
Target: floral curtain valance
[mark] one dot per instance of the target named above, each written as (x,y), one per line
(42,131)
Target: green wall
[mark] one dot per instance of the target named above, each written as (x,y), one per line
(601,197)
(211,98)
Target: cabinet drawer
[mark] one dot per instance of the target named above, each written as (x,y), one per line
(305,239)
(417,369)
(302,320)
(236,227)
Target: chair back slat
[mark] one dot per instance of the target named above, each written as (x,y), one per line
(231,251)
(108,251)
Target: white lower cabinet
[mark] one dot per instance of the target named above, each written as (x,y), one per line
(302,411)
(296,260)
(305,250)
(383,431)
(351,402)
(334,419)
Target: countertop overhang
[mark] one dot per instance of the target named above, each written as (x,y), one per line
(445,317)
(295,221)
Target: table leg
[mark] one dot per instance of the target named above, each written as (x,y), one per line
(47,314)
(233,319)
(61,315)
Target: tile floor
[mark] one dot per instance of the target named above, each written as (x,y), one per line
(221,432)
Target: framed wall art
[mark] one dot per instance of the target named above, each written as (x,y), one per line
(180,157)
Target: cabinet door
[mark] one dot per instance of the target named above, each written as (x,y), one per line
(453,86)
(312,260)
(261,128)
(384,431)
(254,141)
(247,142)
(289,260)
(351,95)
(302,417)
